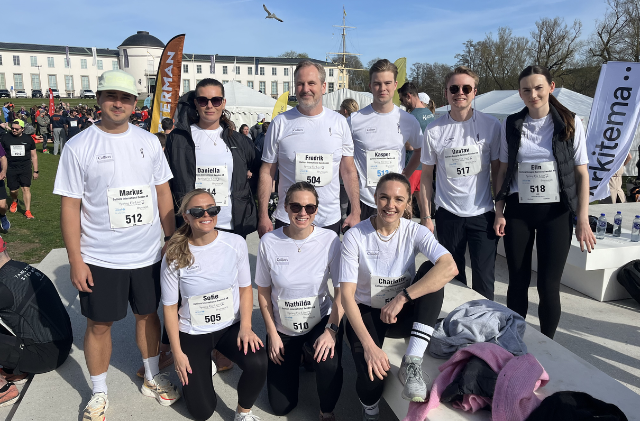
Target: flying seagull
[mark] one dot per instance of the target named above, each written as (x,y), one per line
(271,15)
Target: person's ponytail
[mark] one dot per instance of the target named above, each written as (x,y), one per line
(178,252)
(567,117)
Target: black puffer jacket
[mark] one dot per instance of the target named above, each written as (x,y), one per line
(181,156)
(562,151)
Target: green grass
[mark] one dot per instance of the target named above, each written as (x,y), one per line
(31,240)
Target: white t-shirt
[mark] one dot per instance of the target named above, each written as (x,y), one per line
(536,144)
(364,254)
(293,133)
(92,163)
(221,264)
(211,150)
(373,131)
(470,195)
(292,274)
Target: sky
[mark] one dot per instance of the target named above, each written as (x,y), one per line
(420,30)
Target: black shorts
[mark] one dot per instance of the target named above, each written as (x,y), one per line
(113,288)
(3,191)
(18,177)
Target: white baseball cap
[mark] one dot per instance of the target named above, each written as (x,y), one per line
(260,117)
(424,97)
(117,80)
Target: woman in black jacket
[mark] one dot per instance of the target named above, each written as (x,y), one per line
(204,153)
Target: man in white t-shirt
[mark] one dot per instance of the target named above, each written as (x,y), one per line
(113,179)
(464,145)
(380,132)
(309,143)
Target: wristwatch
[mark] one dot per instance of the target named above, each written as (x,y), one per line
(332,327)
(167,238)
(36,172)
(406,294)
(424,218)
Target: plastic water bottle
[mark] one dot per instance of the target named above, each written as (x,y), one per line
(601,228)
(635,229)
(617,224)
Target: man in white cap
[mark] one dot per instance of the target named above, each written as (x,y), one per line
(257,129)
(424,98)
(113,179)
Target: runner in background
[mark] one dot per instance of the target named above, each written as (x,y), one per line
(376,273)
(22,165)
(207,270)
(464,145)
(380,132)
(292,273)
(544,185)
(309,143)
(116,201)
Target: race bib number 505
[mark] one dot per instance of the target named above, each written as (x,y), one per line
(213,308)
(130,206)
(314,168)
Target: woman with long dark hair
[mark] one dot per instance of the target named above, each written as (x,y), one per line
(545,185)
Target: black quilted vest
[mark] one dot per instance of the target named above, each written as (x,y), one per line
(562,152)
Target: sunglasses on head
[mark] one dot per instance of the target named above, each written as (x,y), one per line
(297,207)
(216,101)
(466,89)
(199,212)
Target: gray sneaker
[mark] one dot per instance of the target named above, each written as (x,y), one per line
(246,416)
(366,417)
(410,375)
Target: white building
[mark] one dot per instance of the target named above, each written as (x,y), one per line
(35,66)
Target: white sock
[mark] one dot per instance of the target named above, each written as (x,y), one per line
(420,337)
(151,367)
(99,383)
(372,409)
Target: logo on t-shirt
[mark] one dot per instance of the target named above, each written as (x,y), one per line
(104,157)
(282,260)
(298,130)
(371,130)
(194,267)
(373,254)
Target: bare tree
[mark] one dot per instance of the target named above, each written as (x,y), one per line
(429,78)
(630,40)
(293,54)
(606,41)
(503,58)
(556,45)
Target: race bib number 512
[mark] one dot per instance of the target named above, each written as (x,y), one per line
(130,206)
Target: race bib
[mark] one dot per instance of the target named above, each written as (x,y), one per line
(73,123)
(300,314)
(462,161)
(215,180)
(538,183)
(314,168)
(212,308)
(385,289)
(380,163)
(130,206)
(17,150)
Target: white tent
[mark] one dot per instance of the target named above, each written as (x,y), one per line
(245,104)
(501,104)
(333,100)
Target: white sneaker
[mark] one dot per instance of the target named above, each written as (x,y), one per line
(161,389)
(96,408)
(214,369)
(246,416)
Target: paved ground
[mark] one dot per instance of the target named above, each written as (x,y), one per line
(606,335)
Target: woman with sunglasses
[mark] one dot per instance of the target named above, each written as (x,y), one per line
(545,184)
(292,272)
(208,271)
(376,273)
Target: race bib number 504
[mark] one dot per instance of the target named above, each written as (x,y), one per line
(314,168)
(130,206)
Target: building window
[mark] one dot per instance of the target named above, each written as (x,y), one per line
(16,60)
(330,72)
(35,81)
(286,71)
(331,86)
(85,82)
(83,63)
(53,82)
(199,68)
(34,61)
(274,88)
(3,82)
(186,87)
(340,78)
(224,82)
(224,70)
(285,86)
(263,87)
(262,71)
(274,71)
(17,81)
(185,68)
(198,81)
(99,64)
(50,63)
(250,82)
(0,60)
(249,70)
(237,70)
(114,65)
(68,83)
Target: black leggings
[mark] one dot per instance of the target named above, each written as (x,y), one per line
(425,310)
(283,381)
(551,227)
(199,393)
(30,357)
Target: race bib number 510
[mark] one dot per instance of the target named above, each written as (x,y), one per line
(301,314)
(314,168)
(130,206)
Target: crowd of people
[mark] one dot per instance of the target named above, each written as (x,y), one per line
(205,186)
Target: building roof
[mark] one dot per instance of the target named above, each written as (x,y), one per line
(142,39)
(251,59)
(57,49)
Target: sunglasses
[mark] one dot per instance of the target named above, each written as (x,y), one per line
(199,212)
(466,89)
(297,207)
(216,101)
